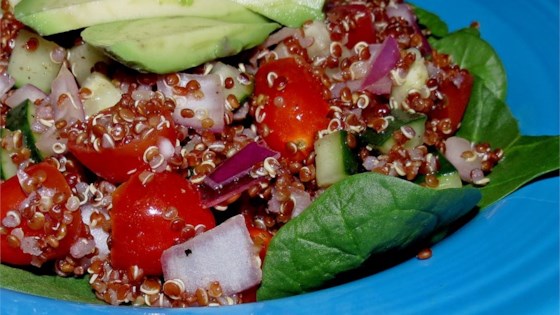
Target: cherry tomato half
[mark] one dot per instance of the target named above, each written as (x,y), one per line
(117,163)
(41,220)
(261,238)
(359,18)
(149,218)
(457,100)
(294,108)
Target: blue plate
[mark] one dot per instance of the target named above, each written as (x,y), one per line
(505,261)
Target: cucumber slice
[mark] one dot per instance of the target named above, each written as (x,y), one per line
(31,61)
(334,160)
(21,118)
(415,79)
(383,142)
(241,89)
(103,93)
(7,166)
(447,175)
(82,59)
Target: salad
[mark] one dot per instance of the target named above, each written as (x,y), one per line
(169,194)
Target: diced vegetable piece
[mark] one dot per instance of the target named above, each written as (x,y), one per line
(233,81)
(415,79)
(447,175)
(203,108)
(461,154)
(35,60)
(83,58)
(101,93)
(7,166)
(334,159)
(384,60)
(412,125)
(225,254)
(148,217)
(16,197)
(65,98)
(100,236)
(22,118)
(26,92)
(239,164)
(6,83)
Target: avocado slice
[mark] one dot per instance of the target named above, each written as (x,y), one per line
(163,45)
(49,17)
(291,13)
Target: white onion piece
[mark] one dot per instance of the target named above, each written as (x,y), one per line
(210,106)
(320,47)
(26,92)
(82,247)
(72,108)
(454,151)
(166,148)
(225,254)
(99,235)
(281,51)
(58,54)
(279,36)
(6,83)
(301,199)
(48,139)
(30,245)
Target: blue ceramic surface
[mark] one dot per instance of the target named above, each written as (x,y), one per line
(505,261)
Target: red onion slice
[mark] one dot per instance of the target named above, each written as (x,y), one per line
(404,11)
(225,254)
(239,164)
(383,62)
(26,92)
(401,10)
(233,176)
(201,110)
(380,87)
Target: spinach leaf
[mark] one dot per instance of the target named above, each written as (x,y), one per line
(473,53)
(436,26)
(488,119)
(362,215)
(527,158)
(70,289)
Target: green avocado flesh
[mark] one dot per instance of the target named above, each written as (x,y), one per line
(49,17)
(163,45)
(291,13)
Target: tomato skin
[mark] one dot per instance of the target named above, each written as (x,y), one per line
(363,29)
(457,100)
(295,108)
(13,195)
(261,238)
(117,164)
(139,232)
